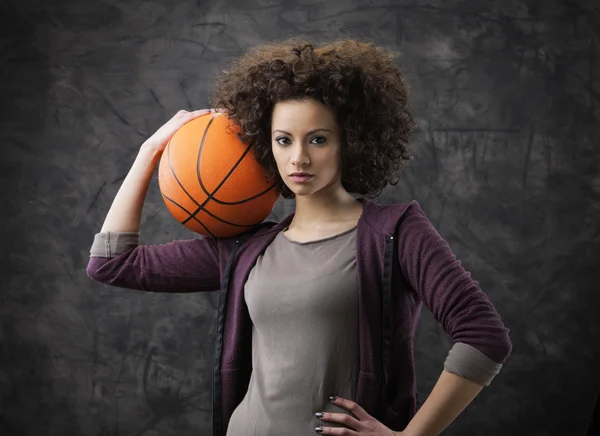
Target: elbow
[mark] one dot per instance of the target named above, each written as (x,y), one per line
(504,347)
(494,343)
(498,347)
(94,269)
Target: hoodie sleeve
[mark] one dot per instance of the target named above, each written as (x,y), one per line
(481,341)
(117,259)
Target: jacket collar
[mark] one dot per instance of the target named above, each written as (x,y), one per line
(380,219)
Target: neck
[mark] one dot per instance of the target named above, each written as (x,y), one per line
(313,211)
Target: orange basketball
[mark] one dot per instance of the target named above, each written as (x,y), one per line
(210,180)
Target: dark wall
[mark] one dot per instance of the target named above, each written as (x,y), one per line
(507,94)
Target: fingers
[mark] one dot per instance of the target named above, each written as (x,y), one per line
(192,114)
(187,115)
(351,406)
(201,112)
(336,431)
(340,418)
(207,111)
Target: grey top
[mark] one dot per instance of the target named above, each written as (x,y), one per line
(463,359)
(303,302)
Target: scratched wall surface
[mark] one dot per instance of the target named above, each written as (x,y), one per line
(507,167)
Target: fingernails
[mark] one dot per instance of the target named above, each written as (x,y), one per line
(319,429)
(319,415)
(332,398)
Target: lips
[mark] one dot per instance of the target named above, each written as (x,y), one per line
(301,177)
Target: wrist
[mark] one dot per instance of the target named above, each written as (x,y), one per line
(406,432)
(149,154)
(148,149)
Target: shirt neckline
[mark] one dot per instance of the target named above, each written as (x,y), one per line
(315,241)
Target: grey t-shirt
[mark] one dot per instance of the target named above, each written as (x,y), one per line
(303,302)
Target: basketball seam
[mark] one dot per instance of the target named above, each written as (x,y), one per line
(210,196)
(188,212)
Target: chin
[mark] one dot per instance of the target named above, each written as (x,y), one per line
(307,191)
(310,190)
(303,191)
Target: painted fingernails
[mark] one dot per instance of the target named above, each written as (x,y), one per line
(332,398)
(319,415)
(319,429)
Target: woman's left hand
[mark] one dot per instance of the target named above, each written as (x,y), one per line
(363,425)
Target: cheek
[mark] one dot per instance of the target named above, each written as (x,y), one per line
(333,160)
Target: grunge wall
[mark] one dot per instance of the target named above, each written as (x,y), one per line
(507,95)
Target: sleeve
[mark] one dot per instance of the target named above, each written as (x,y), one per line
(117,259)
(481,343)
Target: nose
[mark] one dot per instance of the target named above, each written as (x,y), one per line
(299,157)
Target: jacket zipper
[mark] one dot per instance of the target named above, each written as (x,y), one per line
(386,317)
(217,394)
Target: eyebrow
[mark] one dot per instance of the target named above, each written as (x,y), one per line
(308,133)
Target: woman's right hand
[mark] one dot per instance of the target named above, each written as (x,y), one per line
(125,212)
(159,140)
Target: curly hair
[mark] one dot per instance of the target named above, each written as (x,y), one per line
(356,80)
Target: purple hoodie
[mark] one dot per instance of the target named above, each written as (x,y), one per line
(402,263)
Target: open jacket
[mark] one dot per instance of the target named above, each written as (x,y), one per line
(402,263)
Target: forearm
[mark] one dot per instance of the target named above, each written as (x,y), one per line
(125,212)
(449,397)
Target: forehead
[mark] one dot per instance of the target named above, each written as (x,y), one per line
(302,115)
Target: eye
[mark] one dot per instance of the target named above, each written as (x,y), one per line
(282,140)
(318,140)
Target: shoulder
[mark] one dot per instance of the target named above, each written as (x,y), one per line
(387,218)
(252,234)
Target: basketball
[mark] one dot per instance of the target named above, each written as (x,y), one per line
(210,180)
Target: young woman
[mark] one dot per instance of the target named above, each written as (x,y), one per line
(317,313)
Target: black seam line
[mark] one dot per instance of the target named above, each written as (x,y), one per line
(210,196)
(202,208)
(386,318)
(237,164)
(229,203)
(245,200)
(217,394)
(206,211)
(188,212)
(175,175)
(198,160)
(192,215)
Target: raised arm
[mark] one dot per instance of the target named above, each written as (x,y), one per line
(117,259)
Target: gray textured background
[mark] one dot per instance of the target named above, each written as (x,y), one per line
(507,94)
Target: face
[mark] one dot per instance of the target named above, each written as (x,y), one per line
(305,140)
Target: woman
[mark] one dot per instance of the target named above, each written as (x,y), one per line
(318,312)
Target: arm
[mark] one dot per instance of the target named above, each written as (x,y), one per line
(117,259)
(481,341)
(449,397)
(126,210)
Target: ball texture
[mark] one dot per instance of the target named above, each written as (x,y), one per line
(210,180)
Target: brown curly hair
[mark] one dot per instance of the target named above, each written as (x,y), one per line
(356,80)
